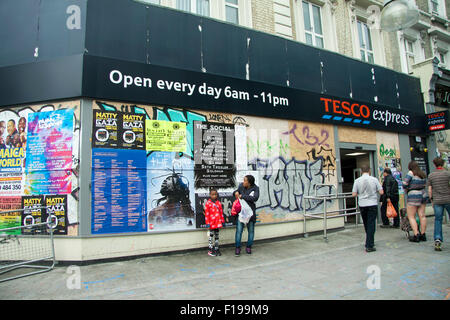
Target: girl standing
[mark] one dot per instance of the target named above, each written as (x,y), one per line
(214,219)
(415,183)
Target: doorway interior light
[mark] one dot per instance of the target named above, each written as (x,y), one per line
(355,154)
(398,15)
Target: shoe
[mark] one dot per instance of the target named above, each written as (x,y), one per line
(437,245)
(396,227)
(384,226)
(237,252)
(371,249)
(248,250)
(422,237)
(212,253)
(414,238)
(218,252)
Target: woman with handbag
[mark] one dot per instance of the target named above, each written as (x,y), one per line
(249,192)
(415,183)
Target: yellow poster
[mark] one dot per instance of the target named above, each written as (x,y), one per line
(165,136)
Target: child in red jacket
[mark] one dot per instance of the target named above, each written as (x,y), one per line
(214,219)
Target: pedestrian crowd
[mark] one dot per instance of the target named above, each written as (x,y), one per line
(419,190)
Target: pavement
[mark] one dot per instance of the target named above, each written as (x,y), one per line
(296,268)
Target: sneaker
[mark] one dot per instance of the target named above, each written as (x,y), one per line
(371,249)
(414,238)
(237,252)
(437,245)
(248,250)
(422,237)
(211,253)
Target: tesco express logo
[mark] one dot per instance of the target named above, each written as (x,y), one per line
(362,111)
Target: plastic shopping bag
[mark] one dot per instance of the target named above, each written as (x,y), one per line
(390,210)
(246,212)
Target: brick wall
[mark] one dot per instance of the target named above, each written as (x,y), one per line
(263,16)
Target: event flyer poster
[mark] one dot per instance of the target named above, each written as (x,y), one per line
(13,139)
(9,218)
(105,129)
(119,191)
(170,185)
(214,155)
(49,152)
(56,213)
(33,213)
(225,198)
(132,133)
(165,136)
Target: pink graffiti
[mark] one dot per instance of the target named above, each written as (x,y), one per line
(309,138)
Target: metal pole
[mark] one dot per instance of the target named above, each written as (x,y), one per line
(325,219)
(304,216)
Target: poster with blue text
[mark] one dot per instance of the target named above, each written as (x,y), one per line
(119,191)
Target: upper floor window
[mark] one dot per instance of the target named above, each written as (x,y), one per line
(365,42)
(437,7)
(313,24)
(232,11)
(409,51)
(434,6)
(195,6)
(441,57)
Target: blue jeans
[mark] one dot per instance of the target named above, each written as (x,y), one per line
(438,215)
(251,233)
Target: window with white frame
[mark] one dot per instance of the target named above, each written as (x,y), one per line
(409,51)
(441,57)
(437,7)
(232,11)
(365,42)
(195,6)
(312,19)
(434,6)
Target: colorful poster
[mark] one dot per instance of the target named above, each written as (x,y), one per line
(33,213)
(214,155)
(13,139)
(9,219)
(225,198)
(49,152)
(105,129)
(170,190)
(56,213)
(119,191)
(165,136)
(132,133)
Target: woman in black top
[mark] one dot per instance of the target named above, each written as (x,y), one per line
(249,192)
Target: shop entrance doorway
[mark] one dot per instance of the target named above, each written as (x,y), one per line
(351,162)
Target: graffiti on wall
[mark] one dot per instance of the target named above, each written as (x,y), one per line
(294,161)
(283,183)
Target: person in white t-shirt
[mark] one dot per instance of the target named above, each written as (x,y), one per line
(367,189)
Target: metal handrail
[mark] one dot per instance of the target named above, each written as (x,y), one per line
(324,215)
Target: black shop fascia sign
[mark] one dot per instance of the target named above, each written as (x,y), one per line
(105,78)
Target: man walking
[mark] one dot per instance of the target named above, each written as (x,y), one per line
(366,188)
(390,189)
(439,193)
